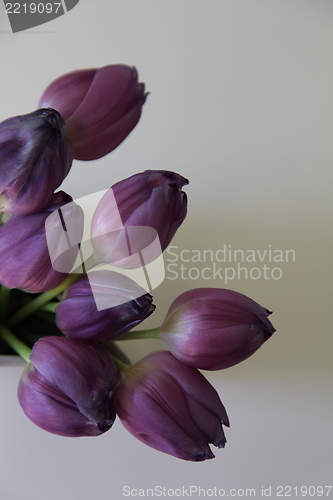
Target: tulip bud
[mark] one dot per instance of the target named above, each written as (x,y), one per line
(35,157)
(122,305)
(171,407)
(100,107)
(212,328)
(24,257)
(139,214)
(68,387)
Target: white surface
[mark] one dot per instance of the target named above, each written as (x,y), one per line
(241,104)
(280,435)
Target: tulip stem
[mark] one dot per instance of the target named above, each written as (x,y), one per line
(4,301)
(86,265)
(153,333)
(19,347)
(41,300)
(120,365)
(49,307)
(116,352)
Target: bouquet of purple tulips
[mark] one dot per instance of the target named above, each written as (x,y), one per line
(77,379)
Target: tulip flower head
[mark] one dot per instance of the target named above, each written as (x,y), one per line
(122,305)
(140,214)
(68,387)
(24,256)
(35,157)
(171,407)
(212,329)
(100,107)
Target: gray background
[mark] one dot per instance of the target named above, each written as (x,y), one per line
(241,104)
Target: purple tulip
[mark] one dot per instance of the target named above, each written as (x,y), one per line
(100,107)
(212,328)
(24,256)
(137,218)
(171,407)
(122,304)
(68,387)
(35,157)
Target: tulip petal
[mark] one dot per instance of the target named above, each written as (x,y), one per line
(115,85)
(35,157)
(122,304)
(74,85)
(68,387)
(208,423)
(171,407)
(213,329)
(53,411)
(106,137)
(100,107)
(67,364)
(219,296)
(192,382)
(161,421)
(151,202)
(24,255)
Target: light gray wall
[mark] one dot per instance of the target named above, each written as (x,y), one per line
(241,104)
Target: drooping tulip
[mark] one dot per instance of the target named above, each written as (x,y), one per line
(137,218)
(68,387)
(101,306)
(171,407)
(100,107)
(35,157)
(24,255)
(212,328)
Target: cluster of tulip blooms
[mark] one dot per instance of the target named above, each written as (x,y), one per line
(77,379)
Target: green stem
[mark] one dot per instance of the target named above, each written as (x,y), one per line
(4,301)
(41,300)
(90,263)
(153,333)
(86,265)
(121,366)
(49,307)
(116,352)
(19,347)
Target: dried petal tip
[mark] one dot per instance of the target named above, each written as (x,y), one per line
(35,157)
(201,457)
